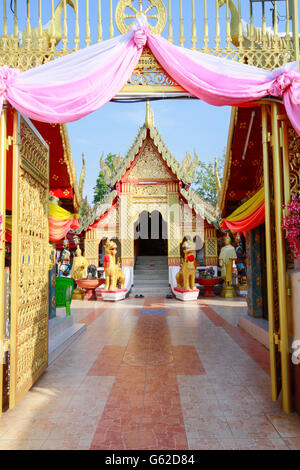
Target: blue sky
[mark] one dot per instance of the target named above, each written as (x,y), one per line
(185,124)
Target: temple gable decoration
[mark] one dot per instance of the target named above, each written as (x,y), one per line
(150,180)
(149,165)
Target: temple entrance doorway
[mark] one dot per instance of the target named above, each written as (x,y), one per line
(150,235)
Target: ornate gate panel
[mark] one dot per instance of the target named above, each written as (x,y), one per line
(276,256)
(29,306)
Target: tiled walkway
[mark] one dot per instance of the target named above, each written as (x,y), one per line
(182,377)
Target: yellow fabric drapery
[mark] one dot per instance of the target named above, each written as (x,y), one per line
(8,222)
(58,212)
(55,211)
(248,208)
(60,222)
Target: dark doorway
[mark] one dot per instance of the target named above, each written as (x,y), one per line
(150,235)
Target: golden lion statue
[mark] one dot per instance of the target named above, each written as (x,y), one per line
(186,276)
(114,276)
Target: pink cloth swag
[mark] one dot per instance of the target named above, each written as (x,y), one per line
(70,87)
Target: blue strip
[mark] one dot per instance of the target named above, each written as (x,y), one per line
(153,312)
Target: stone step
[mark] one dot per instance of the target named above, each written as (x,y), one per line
(146,276)
(150,292)
(62,332)
(142,270)
(151,282)
(148,261)
(155,267)
(59,324)
(151,266)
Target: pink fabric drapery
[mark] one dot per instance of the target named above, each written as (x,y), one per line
(70,87)
(73,86)
(58,228)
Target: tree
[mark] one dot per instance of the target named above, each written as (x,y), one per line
(205,180)
(101,187)
(85,208)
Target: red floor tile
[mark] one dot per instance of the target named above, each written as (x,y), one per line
(143,407)
(108,361)
(187,361)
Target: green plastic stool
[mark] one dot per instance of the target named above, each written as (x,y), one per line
(64,293)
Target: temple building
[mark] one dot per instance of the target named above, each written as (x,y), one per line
(151,206)
(261,175)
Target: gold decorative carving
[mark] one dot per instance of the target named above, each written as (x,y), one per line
(153,190)
(30,262)
(154,10)
(174,231)
(91,251)
(294,157)
(149,74)
(149,165)
(126,228)
(112,219)
(211,247)
(236,40)
(33,154)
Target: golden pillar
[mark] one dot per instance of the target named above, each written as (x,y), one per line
(126,226)
(91,248)
(283,337)
(174,231)
(271,313)
(296,30)
(211,247)
(2,244)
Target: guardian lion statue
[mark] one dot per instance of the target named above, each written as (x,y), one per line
(186,276)
(114,276)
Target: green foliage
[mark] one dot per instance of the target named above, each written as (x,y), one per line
(205,180)
(85,208)
(101,187)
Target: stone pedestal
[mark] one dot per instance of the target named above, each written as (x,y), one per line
(89,285)
(209,284)
(186,295)
(228,292)
(242,291)
(78,294)
(112,295)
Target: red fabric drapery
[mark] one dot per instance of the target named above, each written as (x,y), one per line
(59,228)
(248,223)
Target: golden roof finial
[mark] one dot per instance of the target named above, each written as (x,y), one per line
(218,183)
(149,121)
(82,177)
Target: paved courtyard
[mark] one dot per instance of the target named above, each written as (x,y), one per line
(154,374)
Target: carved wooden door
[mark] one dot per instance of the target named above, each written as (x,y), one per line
(30,234)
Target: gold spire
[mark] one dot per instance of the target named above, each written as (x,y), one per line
(218,183)
(149,121)
(82,178)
